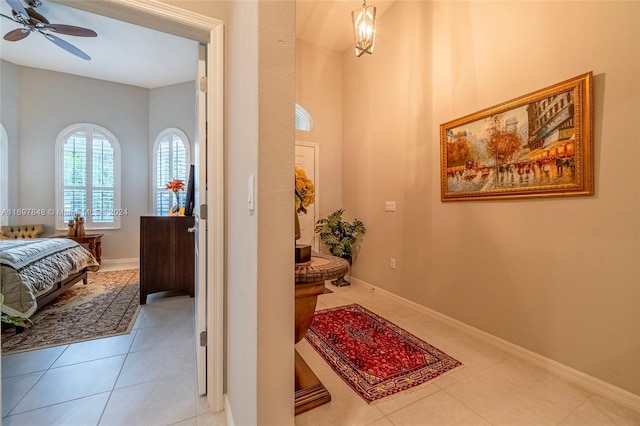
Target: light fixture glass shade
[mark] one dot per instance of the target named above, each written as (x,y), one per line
(364,28)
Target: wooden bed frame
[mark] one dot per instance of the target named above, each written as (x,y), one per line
(60,287)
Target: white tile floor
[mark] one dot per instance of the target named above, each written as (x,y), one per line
(147,378)
(493,387)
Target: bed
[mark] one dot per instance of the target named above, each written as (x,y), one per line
(35,271)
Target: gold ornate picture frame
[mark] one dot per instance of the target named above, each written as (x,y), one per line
(537,145)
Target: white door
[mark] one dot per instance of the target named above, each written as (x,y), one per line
(307,159)
(201,227)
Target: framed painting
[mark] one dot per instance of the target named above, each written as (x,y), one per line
(537,145)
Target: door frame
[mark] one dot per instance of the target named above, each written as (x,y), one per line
(316,182)
(200,195)
(206,30)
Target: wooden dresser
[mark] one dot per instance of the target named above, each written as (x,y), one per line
(167,255)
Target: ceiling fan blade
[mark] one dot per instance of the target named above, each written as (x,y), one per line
(9,17)
(18,7)
(35,15)
(71,30)
(66,46)
(17,34)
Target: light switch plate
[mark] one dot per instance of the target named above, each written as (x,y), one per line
(251,188)
(389,206)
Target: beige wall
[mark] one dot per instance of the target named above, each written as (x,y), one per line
(319,91)
(259,140)
(276,122)
(557,276)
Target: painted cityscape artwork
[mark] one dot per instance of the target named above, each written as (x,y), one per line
(537,145)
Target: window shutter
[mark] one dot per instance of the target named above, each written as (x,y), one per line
(171,162)
(88,176)
(75,175)
(102,196)
(163,164)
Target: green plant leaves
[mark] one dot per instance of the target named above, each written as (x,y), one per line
(338,235)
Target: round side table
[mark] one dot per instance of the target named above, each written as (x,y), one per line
(309,283)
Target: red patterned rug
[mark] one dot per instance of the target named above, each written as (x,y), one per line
(106,306)
(374,356)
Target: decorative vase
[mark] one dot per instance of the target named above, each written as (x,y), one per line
(71,232)
(80,232)
(302,251)
(340,281)
(176,209)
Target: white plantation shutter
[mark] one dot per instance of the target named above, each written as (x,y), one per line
(88,174)
(75,175)
(172,158)
(163,165)
(103,187)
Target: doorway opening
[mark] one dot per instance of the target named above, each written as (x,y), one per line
(209,32)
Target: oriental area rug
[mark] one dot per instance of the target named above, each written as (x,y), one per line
(106,306)
(375,357)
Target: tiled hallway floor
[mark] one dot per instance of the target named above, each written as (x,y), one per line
(493,387)
(146,377)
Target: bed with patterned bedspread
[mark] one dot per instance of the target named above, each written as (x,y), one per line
(30,268)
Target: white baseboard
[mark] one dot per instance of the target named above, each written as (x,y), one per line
(119,264)
(591,383)
(227,411)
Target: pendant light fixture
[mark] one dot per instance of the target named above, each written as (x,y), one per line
(364,28)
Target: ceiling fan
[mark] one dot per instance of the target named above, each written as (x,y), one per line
(32,21)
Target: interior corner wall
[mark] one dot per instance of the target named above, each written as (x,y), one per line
(260,143)
(9,116)
(242,226)
(50,101)
(34,121)
(173,106)
(557,276)
(319,91)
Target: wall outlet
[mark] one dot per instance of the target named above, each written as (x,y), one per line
(389,206)
(392,263)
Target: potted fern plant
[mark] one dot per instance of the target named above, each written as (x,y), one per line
(340,237)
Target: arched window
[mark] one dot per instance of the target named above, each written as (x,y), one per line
(303,119)
(171,160)
(88,177)
(4,176)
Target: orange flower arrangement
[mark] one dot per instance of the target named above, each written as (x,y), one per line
(176,185)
